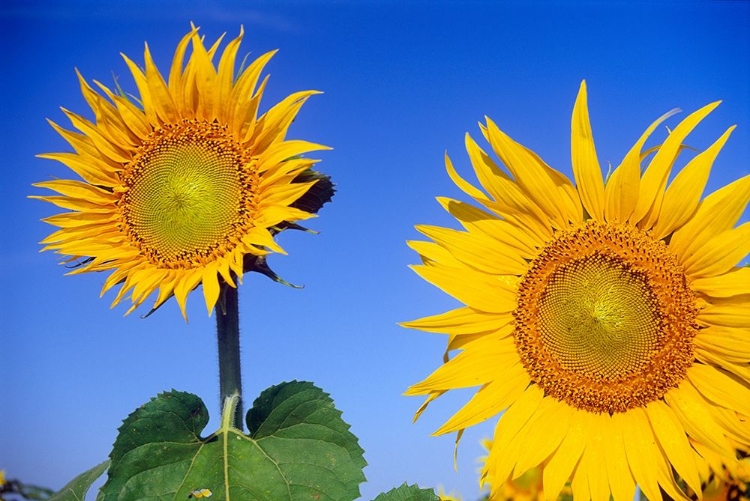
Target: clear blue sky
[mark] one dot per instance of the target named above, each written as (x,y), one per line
(402,82)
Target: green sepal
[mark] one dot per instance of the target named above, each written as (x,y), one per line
(259,264)
(408,493)
(318,195)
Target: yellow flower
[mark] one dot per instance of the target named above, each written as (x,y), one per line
(724,480)
(2,478)
(185,184)
(447,497)
(608,320)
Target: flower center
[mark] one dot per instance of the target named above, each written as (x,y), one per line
(186,190)
(605,319)
(597,317)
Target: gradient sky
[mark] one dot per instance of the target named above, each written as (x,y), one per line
(403,82)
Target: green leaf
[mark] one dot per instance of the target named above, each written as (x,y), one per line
(77,488)
(408,493)
(298,448)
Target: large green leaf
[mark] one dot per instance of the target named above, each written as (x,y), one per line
(77,488)
(298,448)
(408,493)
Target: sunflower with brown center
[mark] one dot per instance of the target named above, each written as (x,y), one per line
(185,185)
(606,321)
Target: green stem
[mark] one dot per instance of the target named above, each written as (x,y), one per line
(228,334)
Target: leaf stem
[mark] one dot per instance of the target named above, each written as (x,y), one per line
(228,335)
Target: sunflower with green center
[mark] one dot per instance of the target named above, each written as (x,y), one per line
(606,321)
(186,184)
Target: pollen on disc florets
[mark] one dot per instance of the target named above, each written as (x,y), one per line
(188,194)
(605,319)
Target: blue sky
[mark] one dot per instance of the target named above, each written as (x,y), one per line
(403,82)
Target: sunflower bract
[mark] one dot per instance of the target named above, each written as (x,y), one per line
(606,320)
(180,183)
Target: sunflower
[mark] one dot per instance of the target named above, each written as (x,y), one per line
(722,480)
(184,185)
(606,320)
(444,496)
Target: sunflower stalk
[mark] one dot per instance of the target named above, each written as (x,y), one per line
(228,337)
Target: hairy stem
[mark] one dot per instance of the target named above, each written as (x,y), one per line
(228,334)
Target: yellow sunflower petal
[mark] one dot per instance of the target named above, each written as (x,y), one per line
(476,251)
(720,388)
(511,202)
(482,292)
(107,116)
(732,283)
(586,168)
(643,455)
(211,287)
(166,288)
(735,426)
(132,116)
(273,125)
(671,436)
(720,254)
(91,172)
(159,92)
(465,186)
(727,315)
(508,235)
(184,286)
(489,400)
(103,144)
(580,482)
(455,374)
(432,253)
(460,321)
(555,418)
(711,356)
(518,415)
(655,177)
(621,191)
(530,176)
(596,467)
(244,93)
(621,482)
(731,344)
(684,193)
(79,219)
(717,213)
(564,460)
(225,80)
(204,72)
(143,90)
(79,190)
(175,72)
(511,431)
(145,284)
(690,409)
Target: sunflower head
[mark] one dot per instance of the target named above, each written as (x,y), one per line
(185,184)
(605,319)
